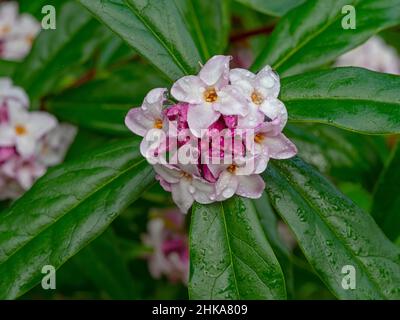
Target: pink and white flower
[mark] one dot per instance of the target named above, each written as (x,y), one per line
(226,126)
(17,32)
(24,129)
(186,185)
(237,179)
(169,243)
(271,143)
(149,122)
(209,95)
(30,142)
(261,91)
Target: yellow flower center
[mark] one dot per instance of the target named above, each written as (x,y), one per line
(5,29)
(258,138)
(20,130)
(232,168)
(257,98)
(158,124)
(186,175)
(210,95)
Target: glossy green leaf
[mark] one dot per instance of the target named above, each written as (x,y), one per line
(154,28)
(272,7)
(349,98)
(209,23)
(312,34)
(340,154)
(103,263)
(386,203)
(333,232)
(103,103)
(66,209)
(7,68)
(35,7)
(57,51)
(230,257)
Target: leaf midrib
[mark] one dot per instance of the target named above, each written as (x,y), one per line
(68,210)
(222,211)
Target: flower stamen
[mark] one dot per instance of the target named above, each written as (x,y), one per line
(20,130)
(257,98)
(210,95)
(232,168)
(158,124)
(258,138)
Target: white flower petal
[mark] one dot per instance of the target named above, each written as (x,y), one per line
(267,83)
(254,117)
(216,71)
(226,185)
(153,103)
(274,108)
(169,174)
(280,147)
(243,79)
(231,102)
(251,186)
(40,123)
(200,117)
(189,89)
(138,122)
(181,195)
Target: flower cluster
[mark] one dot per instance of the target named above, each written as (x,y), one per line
(29,141)
(374,55)
(17,32)
(169,243)
(218,134)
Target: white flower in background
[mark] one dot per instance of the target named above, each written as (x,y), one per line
(30,142)
(11,96)
(54,145)
(168,241)
(25,129)
(374,55)
(17,32)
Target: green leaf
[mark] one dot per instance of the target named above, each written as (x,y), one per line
(103,264)
(65,210)
(230,257)
(340,154)
(56,52)
(272,7)
(103,103)
(349,98)
(209,24)
(312,34)
(333,232)
(7,68)
(35,7)
(154,28)
(386,202)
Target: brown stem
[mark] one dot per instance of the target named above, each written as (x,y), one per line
(251,33)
